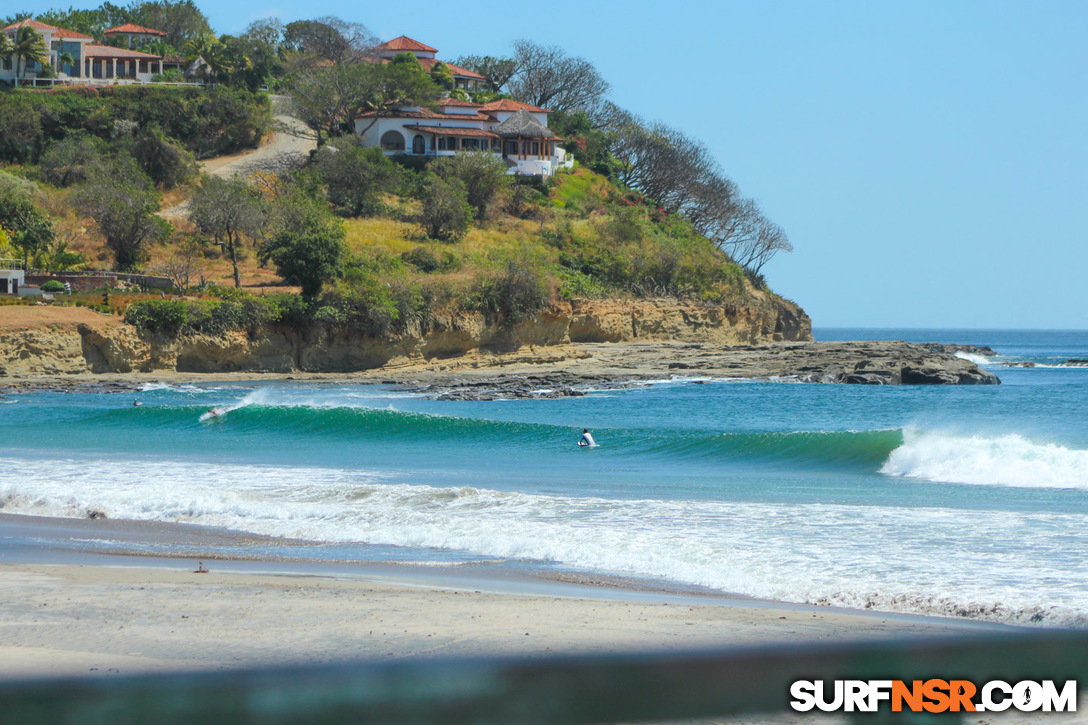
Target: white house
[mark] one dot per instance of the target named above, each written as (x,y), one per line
(516,132)
(11,276)
(90,61)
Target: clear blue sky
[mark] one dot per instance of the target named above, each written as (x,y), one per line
(929,160)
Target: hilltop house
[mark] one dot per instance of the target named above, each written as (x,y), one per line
(136,36)
(463,78)
(91,61)
(514,131)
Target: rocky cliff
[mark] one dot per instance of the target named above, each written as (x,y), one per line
(100,344)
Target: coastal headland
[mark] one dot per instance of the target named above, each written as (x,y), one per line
(558,350)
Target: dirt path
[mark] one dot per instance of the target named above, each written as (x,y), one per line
(281,147)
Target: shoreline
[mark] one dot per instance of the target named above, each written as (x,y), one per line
(72,612)
(563,368)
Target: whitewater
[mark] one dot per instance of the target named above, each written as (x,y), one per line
(954,501)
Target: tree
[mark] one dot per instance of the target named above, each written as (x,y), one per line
(183,264)
(162,159)
(328,38)
(441,75)
(7,49)
(446,212)
(28,46)
(308,245)
(499,71)
(179,19)
(26,226)
(356,177)
(205,45)
(228,211)
(482,174)
(72,159)
(546,76)
(328,99)
(262,45)
(119,197)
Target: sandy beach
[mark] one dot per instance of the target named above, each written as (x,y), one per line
(66,612)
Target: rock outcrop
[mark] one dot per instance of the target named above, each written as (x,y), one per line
(611,340)
(108,346)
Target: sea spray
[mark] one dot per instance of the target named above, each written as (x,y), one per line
(1006,460)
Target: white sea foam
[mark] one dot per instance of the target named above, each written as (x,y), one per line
(976,359)
(1007,460)
(180,388)
(884,557)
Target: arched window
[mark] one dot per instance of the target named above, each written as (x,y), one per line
(392,141)
(419,145)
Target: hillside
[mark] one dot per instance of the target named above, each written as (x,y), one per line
(346,259)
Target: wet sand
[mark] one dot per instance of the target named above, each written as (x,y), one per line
(70,611)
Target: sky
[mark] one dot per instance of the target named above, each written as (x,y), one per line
(929,160)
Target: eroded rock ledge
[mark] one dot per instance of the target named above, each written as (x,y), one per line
(568,348)
(627,365)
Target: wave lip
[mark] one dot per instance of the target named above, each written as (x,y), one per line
(1006,460)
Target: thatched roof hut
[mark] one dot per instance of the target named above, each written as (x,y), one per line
(523,125)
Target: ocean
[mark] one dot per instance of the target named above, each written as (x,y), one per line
(945,500)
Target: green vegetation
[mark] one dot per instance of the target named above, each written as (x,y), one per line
(376,245)
(205,122)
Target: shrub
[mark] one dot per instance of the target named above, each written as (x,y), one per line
(517,291)
(72,159)
(53,285)
(427,260)
(164,161)
(446,213)
(356,178)
(162,317)
(482,174)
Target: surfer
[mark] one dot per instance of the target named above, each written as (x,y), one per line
(586,441)
(136,403)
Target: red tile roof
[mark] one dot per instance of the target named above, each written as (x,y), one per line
(93,50)
(53,30)
(458,102)
(404,43)
(454,131)
(428,113)
(508,105)
(135,29)
(455,70)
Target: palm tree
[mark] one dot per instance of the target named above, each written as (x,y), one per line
(6,48)
(29,46)
(65,59)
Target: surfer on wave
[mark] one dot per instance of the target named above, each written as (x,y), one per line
(586,441)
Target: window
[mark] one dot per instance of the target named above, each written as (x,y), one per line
(419,145)
(392,141)
(511,148)
(536,148)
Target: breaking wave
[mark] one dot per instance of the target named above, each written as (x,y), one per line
(1007,460)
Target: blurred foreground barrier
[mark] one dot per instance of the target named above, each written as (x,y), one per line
(616,688)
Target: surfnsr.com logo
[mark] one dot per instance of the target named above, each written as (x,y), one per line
(933,696)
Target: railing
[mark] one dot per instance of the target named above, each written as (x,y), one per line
(14,264)
(559,690)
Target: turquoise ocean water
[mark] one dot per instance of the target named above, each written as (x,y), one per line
(960,501)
